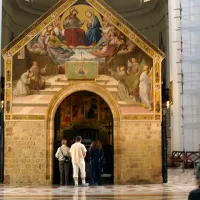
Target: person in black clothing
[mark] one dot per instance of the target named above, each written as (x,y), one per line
(96,155)
(195,194)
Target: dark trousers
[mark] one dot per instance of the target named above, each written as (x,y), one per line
(64,172)
(95,172)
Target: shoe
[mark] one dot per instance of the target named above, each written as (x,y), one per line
(76,185)
(85,185)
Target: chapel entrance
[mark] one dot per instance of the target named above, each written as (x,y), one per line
(88,115)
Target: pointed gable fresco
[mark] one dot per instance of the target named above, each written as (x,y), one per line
(82,41)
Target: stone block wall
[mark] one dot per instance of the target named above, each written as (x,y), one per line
(137,153)
(140,152)
(25,152)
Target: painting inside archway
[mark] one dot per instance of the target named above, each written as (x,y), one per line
(82,45)
(85,110)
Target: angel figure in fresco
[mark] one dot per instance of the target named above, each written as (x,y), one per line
(132,79)
(93,34)
(37,81)
(74,35)
(109,48)
(106,26)
(38,44)
(145,87)
(58,30)
(22,87)
(123,90)
(56,49)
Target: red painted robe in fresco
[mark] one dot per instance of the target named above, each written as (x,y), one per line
(74,35)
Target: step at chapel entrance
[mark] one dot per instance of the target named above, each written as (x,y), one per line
(88,115)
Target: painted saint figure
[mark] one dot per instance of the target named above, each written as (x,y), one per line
(93,34)
(37,81)
(73,33)
(123,90)
(22,87)
(145,87)
(56,50)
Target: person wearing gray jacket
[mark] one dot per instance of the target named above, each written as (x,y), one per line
(63,165)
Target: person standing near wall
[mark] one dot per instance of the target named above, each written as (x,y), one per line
(78,153)
(63,165)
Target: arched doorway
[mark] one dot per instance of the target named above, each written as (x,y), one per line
(88,115)
(51,115)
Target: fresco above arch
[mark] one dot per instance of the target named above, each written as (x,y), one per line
(84,44)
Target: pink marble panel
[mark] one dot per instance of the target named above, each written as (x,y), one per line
(131,110)
(40,110)
(46,98)
(17,109)
(23,98)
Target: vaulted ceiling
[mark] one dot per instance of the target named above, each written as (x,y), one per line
(126,7)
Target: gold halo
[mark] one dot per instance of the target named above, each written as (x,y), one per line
(89,10)
(72,9)
(81,14)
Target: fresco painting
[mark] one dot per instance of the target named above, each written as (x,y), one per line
(83,35)
(84,107)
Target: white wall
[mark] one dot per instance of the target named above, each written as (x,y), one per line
(190,25)
(175,76)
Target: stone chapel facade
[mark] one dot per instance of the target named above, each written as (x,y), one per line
(82,45)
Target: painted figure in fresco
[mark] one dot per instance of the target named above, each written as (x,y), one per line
(123,90)
(106,26)
(132,79)
(93,109)
(37,81)
(132,65)
(93,34)
(22,87)
(58,30)
(40,41)
(109,48)
(38,44)
(56,49)
(73,33)
(145,87)
(78,112)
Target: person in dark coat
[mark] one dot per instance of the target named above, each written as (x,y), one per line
(96,155)
(195,194)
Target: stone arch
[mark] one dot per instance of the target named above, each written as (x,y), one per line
(51,111)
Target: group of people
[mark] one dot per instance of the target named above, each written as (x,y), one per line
(77,154)
(30,80)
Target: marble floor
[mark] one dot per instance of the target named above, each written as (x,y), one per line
(179,185)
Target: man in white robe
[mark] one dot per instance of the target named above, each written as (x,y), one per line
(145,87)
(22,87)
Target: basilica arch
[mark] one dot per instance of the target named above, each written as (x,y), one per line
(53,106)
